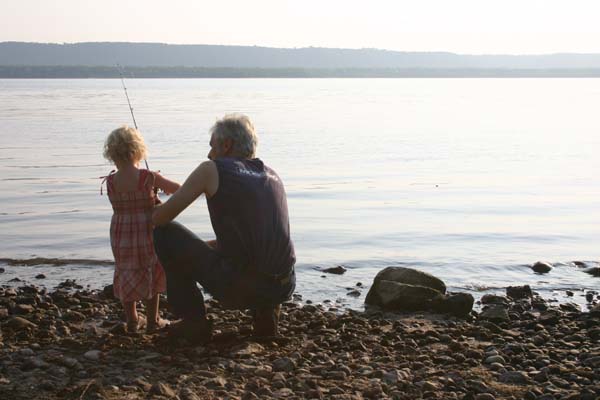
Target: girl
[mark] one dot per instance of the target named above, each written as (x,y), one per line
(138,273)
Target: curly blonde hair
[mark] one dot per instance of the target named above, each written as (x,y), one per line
(125,144)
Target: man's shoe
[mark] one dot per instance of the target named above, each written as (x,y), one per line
(266,321)
(194,331)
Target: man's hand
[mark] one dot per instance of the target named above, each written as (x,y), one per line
(203,180)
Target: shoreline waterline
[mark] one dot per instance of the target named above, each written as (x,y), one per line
(314,285)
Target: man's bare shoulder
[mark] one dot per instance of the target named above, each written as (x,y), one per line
(208,175)
(206,168)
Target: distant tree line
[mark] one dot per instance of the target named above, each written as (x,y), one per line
(105,72)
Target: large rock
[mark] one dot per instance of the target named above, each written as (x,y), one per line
(406,289)
(400,296)
(410,276)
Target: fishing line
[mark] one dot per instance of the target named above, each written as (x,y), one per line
(129,103)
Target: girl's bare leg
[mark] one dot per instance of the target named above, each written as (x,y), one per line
(131,316)
(152,310)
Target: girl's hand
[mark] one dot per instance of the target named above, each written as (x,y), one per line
(166,185)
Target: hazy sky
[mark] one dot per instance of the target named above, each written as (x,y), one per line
(462,26)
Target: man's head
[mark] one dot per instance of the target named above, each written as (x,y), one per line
(233,136)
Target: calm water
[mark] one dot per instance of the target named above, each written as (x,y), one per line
(469,179)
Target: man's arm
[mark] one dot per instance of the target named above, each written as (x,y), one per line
(203,180)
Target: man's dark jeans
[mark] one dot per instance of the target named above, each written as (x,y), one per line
(188,260)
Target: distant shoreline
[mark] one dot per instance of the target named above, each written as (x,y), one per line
(109,72)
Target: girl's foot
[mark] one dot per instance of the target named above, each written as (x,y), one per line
(134,326)
(154,326)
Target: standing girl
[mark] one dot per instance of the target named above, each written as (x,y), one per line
(138,273)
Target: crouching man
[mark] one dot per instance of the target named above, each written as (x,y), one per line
(250,265)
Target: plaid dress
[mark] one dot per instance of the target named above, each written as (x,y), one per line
(138,273)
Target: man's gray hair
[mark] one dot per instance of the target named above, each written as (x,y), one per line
(240,130)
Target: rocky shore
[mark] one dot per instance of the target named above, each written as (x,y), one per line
(69,343)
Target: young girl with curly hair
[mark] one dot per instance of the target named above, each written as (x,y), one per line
(131,190)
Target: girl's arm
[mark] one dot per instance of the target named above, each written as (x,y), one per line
(166,185)
(204,179)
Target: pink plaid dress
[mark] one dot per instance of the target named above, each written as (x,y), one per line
(138,273)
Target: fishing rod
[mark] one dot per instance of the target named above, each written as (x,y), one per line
(129,102)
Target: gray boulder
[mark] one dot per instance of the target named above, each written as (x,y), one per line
(400,296)
(410,276)
(406,289)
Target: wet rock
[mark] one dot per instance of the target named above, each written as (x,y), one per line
(339,270)
(40,276)
(519,292)
(594,271)
(108,291)
(410,276)
(589,297)
(541,267)
(353,293)
(399,296)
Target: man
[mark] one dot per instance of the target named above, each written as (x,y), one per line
(250,265)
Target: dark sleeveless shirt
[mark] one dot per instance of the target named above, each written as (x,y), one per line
(249,215)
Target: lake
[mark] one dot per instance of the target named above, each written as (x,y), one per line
(472,180)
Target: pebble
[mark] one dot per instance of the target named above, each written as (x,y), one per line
(485,396)
(93,355)
(284,364)
(495,359)
(517,377)
(162,389)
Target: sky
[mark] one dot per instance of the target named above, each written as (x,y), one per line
(459,26)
